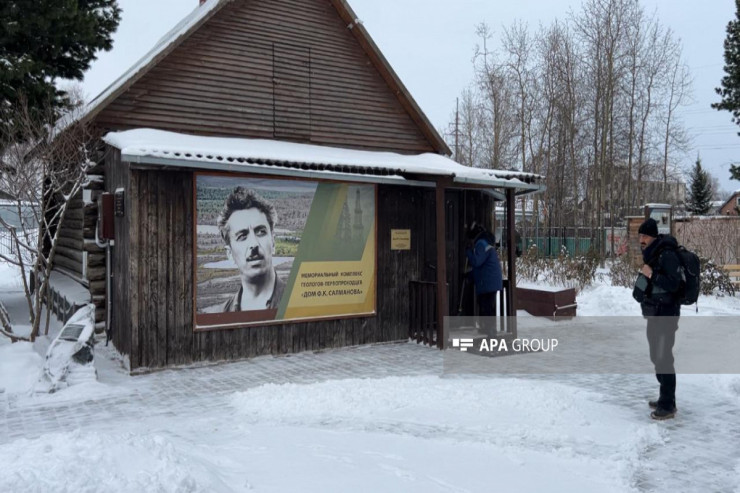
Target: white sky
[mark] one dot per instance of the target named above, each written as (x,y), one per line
(430,44)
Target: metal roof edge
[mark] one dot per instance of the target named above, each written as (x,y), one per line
(152,161)
(500,182)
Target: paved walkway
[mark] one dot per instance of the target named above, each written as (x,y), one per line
(705,436)
(198,391)
(703,441)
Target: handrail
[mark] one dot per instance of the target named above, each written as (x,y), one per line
(564,307)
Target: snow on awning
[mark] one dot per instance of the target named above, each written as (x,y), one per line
(158,147)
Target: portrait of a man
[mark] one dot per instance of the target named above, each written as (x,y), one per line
(247,226)
(274,250)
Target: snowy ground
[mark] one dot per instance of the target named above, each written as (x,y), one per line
(370,419)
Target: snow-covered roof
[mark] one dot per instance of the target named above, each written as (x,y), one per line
(169,41)
(164,148)
(204,12)
(729,199)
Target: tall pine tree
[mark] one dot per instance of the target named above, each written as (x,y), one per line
(45,40)
(734,172)
(700,190)
(730,90)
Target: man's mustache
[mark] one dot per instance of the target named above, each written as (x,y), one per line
(256,256)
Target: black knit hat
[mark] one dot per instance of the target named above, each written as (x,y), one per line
(474,230)
(649,228)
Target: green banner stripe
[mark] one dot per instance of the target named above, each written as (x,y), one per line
(324,239)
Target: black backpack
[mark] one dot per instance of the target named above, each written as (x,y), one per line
(691,273)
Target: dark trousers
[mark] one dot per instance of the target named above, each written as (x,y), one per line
(487,310)
(486,303)
(661,335)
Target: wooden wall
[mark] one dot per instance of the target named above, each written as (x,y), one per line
(153,313)
(77,236)
(716,238)
(283,69)
(118,175)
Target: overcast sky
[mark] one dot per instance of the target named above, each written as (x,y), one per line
(430,44)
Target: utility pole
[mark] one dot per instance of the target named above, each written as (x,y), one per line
(457,129)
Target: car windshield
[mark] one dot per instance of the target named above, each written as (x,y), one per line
(9,214)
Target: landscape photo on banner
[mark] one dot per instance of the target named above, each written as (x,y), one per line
(281,250)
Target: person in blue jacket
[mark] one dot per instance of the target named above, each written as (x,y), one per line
(487,275)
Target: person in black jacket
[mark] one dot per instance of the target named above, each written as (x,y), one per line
(657,289)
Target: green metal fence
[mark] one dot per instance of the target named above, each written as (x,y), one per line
(576,241)
(550,247)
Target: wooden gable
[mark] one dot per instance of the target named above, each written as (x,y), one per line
(730,207)
(275,69)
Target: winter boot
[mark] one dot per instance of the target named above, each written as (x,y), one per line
(654,405)
(661,413)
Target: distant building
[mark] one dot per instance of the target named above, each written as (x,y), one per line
(715,206)
(646,191)
(731,207)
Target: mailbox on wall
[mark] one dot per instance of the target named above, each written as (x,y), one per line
(663,215)
(106,217)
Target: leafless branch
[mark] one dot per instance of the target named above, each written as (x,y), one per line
(49,169)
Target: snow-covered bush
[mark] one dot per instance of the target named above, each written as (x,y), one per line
(714,279)
(529,266)
(575,272)
(623,271)
(564,270)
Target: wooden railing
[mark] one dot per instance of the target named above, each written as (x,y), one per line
(423,312)
(61,306)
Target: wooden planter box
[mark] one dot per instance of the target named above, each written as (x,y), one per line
(551,303)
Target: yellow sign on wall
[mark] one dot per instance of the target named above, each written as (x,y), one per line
(400,239)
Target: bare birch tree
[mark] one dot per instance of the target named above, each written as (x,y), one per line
(517,44)
(590,102)
(467,128)
(43,170)
(678,86)
(498,113)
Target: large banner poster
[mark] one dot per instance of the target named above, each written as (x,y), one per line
(281,250)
